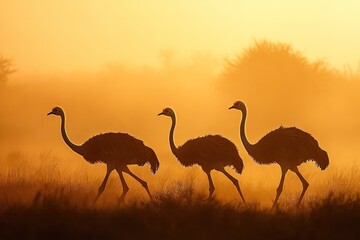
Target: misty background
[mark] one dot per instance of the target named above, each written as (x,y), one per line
(113,66)
(279,85)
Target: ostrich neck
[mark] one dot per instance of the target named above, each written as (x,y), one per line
(74,147)
(248,146)
(171,137)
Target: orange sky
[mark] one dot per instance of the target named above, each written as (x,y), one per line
(85,55)
(57,36)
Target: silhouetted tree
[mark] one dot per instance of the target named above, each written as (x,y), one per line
(6,68)
(278,73)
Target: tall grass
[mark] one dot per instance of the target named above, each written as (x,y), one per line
(179,213)
(41,200)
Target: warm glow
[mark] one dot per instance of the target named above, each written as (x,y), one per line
(53,36)
(114,65)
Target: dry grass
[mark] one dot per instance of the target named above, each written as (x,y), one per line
(178,213)
(41,201)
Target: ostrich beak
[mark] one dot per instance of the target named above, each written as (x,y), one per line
(231,107)
(162,113)
(50,113)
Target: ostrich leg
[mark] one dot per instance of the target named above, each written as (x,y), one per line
(142,182)
(103,184)
(304,183)
(280,187)
(235,182)
(211,184)
(124,185)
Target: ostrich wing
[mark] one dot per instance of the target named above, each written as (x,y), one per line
(286,143)
(207,149)
(115,147)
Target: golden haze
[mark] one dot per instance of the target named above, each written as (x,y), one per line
(128,100)
(64,62)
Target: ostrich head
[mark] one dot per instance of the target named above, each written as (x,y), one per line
(167,112)
(239,105)
(56,111)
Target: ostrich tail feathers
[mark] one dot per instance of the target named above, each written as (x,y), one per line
(322,159)
(154,167)
(238,165)
(153,160)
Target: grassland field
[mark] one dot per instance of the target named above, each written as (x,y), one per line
(42,200)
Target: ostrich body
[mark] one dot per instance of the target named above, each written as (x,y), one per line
(211,152)
(289,147)
(116,150)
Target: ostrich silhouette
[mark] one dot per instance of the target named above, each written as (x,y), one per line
(116,150)
(289,147)
(211,152)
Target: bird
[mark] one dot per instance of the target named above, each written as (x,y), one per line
(116,150)
(287,146)
(211,152)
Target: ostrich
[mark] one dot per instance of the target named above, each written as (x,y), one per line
(289,147)
(116,150)
(211,152)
